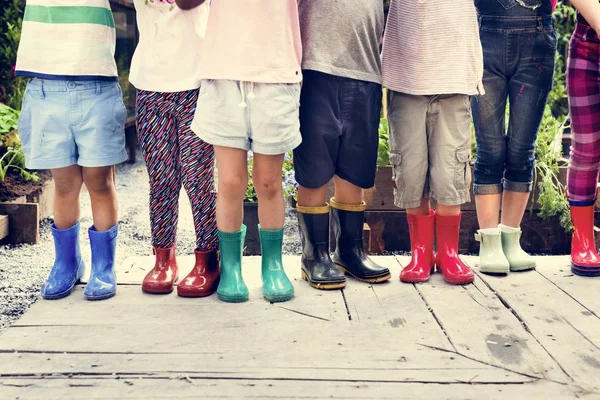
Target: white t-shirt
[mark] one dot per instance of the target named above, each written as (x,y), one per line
(167,56)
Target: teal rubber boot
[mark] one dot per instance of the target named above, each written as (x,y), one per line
(277,287)
(491,255)
(518,259)
(232,288)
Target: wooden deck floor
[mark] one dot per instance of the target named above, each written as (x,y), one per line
(533,335)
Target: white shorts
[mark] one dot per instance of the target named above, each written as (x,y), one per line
(262,117)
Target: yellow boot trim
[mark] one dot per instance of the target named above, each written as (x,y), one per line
(313,210)
(348,207)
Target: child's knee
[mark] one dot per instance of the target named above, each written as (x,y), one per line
(232,185)
(268,185)
(67,186)
(99,181)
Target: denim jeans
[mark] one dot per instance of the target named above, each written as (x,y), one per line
(519,56)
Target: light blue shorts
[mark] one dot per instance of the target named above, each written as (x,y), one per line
(262,117)
(65,123)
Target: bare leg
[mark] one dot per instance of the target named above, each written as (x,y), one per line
(347,193)
(267,182)
(67,188)
(488,209)
(312,197)
(103,194)
(232,166)
(513,207)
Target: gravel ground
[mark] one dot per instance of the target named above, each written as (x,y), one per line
(24,268)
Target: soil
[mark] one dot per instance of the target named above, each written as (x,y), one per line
(15,186)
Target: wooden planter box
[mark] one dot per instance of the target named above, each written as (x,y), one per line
(24,215)
(252,244)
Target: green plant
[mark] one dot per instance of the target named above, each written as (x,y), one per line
(548,154)
(14,158)
(383,151)
(11,87)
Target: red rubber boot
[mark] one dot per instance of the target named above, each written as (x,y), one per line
(584,256)
(422,263)
(162,277)
(203,280)
(454,270)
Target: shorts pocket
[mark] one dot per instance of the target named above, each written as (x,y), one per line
(397,173)
(462,173)
(24,123)
(293,90)
(204,85)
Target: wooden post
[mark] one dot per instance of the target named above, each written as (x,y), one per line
(3,226)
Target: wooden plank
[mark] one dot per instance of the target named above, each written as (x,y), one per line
(584,290)
(481,327)
(180,387)
(44,197)
(556,320)
(394,306)
(3,226)
(288,358)
(24,222)
(130,306)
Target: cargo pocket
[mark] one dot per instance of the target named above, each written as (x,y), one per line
(397,181)
(462,174)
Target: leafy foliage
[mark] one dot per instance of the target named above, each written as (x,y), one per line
(11,87)
(383,152)
(548,154)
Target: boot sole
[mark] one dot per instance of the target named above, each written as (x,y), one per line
(279,299)
(232,299)
(585,271)
(59,296)
(323,285)
(192,294)
(522,269)
(379,279)
(103,297)
(157,291)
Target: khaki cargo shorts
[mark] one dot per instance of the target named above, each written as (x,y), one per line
(430,140)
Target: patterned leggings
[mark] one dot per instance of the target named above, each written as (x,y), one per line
(175,155)
(583,87)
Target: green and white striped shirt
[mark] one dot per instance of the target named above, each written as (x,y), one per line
(60,40)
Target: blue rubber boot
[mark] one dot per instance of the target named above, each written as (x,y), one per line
(68,266)
(103,280)
(276,285)
(232,288)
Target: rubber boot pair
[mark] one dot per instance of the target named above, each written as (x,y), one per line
(69,266)
(500,251)
(424,260)
(202,281)
(275,283)
(318,267)
(584,256)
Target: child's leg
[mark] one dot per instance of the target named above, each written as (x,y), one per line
(266,176)
(582,180)
(100,184)
(232,166)
(355,169)
(157,134)
(67,189)
(450,177)
(197,170)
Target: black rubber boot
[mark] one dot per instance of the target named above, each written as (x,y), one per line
(350,257)
(317,267)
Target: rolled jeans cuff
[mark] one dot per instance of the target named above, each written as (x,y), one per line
(523,187)
(494,188)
